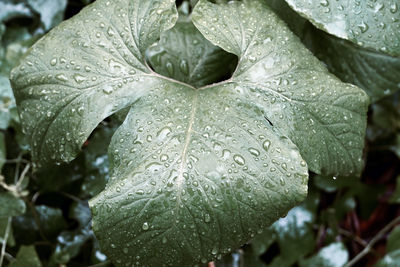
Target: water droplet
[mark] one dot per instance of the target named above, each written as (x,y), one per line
(125,250)
(164,240)
(239,159)
(393,8)
(303,163)
(324,3)
(108,89)
(207,218)
(79,78)
(214,251)
(254,152)
(266,145)
(363,27)
(183,65)
(61,77)
(110,31)
(145,226)
(170,68)
(53,62)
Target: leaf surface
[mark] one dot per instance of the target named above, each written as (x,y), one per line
(378,74)
(195,172)
(322,116)
(85,70)
(371,24)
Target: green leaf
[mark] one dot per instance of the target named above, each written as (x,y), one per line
(322,116)
(26,256)
(11,205)
(51,11)
(51,220)
(334,255)
(294,235)
(89,74)
(189,166)
(185,55)
(370,24)
(378,74)
(295,22)
(69,244)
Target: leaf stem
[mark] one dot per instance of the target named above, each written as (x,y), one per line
(375,239)
(4,244)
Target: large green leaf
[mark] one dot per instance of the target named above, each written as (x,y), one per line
(322,116)
(371,23)
(195,172)
(378,74)
(85,70)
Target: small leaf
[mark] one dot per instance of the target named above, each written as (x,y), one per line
(26,256)
(370,24)
(334,255)
(11,205)
(378,74)
(51,220)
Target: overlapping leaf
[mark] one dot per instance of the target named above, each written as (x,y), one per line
(378,74)
(373,24)
(195,172)
(322,116)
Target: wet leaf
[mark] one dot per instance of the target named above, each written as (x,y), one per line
(378,74)
(188,166)
(11,205)
(295,22)
(326,120)
(370,24)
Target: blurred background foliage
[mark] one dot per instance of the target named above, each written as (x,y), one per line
(44,215)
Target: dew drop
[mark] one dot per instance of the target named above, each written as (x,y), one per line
(61,77)
(239,159)
(53,62)
(266,145)
(183,65)
(145,226)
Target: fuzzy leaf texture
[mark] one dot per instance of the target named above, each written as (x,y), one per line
(195,172)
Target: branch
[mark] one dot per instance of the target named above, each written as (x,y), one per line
(3,247)
(375,239)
